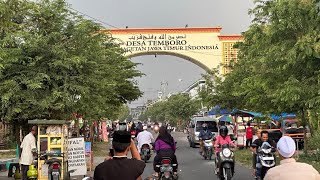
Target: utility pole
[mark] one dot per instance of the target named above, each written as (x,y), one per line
(163,88)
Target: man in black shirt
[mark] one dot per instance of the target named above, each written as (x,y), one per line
(119,166)
(258,143)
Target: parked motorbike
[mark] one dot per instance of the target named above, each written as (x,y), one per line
(208,148)
(265,159)
(166,169)
(145,152)
(225,163)
(54,169)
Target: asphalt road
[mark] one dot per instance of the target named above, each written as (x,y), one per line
(192,166)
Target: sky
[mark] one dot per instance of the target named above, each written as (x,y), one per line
(177,73)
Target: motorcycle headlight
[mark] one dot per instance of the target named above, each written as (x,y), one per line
(226,152)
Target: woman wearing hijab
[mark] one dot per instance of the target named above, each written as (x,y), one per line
(165,147)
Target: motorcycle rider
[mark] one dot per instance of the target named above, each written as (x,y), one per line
(144,137)
(257,144)
(205,134)
(222,139)
(165,147)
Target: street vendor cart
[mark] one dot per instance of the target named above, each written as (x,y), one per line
(52,157)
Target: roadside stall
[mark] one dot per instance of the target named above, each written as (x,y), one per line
(290,126)
(52,155)
(241,118)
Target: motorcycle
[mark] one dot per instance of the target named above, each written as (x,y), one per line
(145,152)
(208,147)
(265,159)
(166,169)
(225,162)
(54,169)
(133,134)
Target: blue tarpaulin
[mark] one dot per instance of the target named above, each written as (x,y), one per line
(283,115)
(218,111)
(245,113)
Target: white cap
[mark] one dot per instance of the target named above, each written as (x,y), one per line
(145,127)
(286,146)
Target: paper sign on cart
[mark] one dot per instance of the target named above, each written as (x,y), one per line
(77,156)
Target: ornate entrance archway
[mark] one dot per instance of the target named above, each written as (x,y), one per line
(205,47)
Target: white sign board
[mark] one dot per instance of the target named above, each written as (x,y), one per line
(77,156)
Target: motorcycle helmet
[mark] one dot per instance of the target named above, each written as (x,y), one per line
(223,131)
(205,126)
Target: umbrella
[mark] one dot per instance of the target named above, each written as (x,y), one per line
(225,118)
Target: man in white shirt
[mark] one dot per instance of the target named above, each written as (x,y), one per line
(27,145)
(230,130)
(289,169)
(144,137)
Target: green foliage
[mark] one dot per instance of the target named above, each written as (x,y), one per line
(123,112)
(314,142)
(54,62)
(278,64)
(143,117)
(176,108)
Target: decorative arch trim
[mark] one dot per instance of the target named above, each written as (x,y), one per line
(194,61)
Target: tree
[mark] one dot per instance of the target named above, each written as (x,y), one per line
(181,107)
(157,112)
(177,108)
(143,117)
(278,64)
(123,113)
(54,62)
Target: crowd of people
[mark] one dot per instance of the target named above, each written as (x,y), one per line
(118,166)
(122,167)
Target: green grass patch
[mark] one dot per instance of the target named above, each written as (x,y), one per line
(7,155)
(310,159)
(100,149)
(244,157)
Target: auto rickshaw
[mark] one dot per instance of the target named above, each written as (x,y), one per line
(51,161)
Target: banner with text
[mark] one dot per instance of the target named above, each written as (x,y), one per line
(162,42)
(76,156)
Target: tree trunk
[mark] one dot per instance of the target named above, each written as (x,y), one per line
(304,122)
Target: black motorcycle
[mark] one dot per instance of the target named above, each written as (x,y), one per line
(54,169)
(225,162)
(145,152)
(166,169)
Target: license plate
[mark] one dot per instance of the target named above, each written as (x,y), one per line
(56,173)
(268,158)
(165,169)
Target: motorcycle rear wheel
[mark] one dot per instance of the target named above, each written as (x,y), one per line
(55,178)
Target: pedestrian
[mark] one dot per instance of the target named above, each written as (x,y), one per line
(230,130)
(120,166)
(289,169)
(249,135)
(28,146)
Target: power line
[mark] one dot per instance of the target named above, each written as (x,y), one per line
(108,24)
